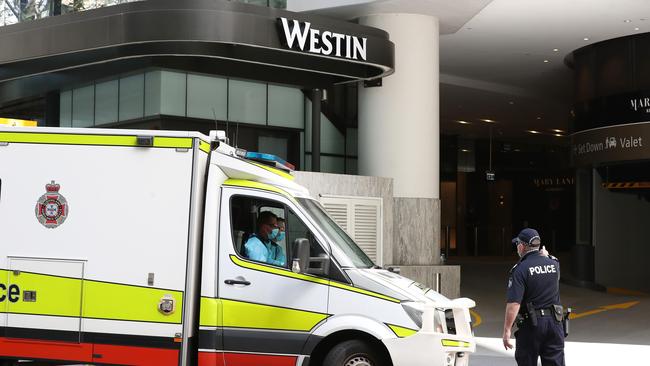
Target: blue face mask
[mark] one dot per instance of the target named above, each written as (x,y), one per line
(274,234)
(280,236)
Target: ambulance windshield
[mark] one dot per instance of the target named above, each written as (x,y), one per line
(344,249)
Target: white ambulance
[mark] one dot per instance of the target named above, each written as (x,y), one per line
(127,247)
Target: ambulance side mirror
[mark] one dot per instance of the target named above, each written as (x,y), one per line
(303,263)
(300,255)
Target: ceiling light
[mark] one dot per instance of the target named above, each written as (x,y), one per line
(636,28)
(488,120)
(557,130)
(559,135)
(465,150)
(545,61)
(539,117)
(533,132)
(586,38)
(463,122)
(627,20)
(511,102)
(555,50)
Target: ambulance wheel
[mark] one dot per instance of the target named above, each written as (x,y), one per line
(352,353)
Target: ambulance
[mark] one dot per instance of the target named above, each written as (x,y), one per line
(128,247)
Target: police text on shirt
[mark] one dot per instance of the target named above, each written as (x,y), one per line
(549,268)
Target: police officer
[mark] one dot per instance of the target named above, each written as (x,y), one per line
(534,300)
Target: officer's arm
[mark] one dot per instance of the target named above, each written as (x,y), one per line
(512,309)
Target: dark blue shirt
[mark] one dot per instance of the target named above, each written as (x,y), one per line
(535,279)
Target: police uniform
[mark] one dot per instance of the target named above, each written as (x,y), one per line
(535,280)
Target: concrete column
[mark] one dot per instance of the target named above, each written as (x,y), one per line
(399,121)
(399,137)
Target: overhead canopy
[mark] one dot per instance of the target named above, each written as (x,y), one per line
(219,37)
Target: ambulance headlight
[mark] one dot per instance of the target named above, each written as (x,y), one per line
(414,311)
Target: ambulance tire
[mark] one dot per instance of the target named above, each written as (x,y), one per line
(352,353)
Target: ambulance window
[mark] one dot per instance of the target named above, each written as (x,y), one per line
(297,229)
(254,223)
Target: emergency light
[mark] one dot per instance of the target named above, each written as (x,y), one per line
(270,159)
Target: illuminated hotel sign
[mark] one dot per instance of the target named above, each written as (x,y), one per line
(640,104)
(302,37)
(614,143)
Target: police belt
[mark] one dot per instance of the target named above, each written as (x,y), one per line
(539,312)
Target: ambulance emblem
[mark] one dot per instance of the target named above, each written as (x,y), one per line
(52,208)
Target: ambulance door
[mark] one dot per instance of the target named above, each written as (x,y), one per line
(268,310)
(45,295)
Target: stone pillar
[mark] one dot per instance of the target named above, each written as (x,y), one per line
(399,135)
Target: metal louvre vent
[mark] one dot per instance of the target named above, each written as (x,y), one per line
(366,226)
(339,212)
(360,217)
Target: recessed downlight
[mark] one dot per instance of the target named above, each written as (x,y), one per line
(462,122)
(559,135)
(545,61)
(556,50)
(539,117)
(534,132)
(628,20)
(488,120)
(636,28)
(586,38)
(556,130)
(465,150)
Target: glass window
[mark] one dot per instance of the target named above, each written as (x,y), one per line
(106,95)
(277,146)
(351,166)
(256,230)
(83,100)
(351,141)
(332,164)
(131,97)
(296,229)
(247,102)
(65,109)
(165,93)
(286,107)
(207,97)
(172,96)
(332,140)
(152,93)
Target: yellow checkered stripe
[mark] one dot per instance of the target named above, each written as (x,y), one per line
(455,343)
(401,332)
(239,314)
(74,297)
(101,140)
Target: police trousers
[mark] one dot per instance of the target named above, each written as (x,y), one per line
(546,340)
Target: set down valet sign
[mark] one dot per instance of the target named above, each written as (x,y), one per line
(52,208)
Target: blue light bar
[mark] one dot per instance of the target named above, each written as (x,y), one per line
(270,159)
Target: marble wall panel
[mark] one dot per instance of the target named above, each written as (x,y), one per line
(416,229)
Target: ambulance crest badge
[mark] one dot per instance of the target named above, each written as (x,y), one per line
(52,208)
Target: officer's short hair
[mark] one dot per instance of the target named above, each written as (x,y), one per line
(265,217)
